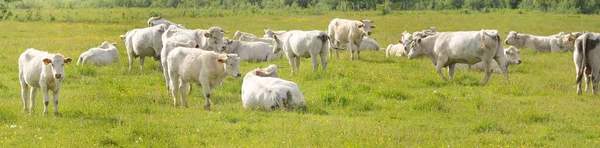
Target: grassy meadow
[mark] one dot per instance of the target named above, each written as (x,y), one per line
(373,102)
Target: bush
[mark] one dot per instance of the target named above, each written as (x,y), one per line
(384,8)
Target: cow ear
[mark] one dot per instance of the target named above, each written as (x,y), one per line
(372,26)
(221,61)
(518,51)
(68,60)
(360,26)
(47,61)
(418,40)
(230,42)
(570,39)
(258,73)
(206,34)
(400,41)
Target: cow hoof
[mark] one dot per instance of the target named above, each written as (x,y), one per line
(57,114)
(207,107)
(45,113)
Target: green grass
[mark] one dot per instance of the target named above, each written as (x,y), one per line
(373,102)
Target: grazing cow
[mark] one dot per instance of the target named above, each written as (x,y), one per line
(305,44)
(351,32)
(512,58)
(587,60)
(538,43)
(144,42)
(269,33)
(238,34)
(262,90)
(104,54)
(398,50)
(207,68)
(41,70)
(153,21)
(251,51)
(445,49)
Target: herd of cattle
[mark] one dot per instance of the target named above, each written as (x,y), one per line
(206,57)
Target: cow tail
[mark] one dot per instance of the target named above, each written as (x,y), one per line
(482,39)
(324,37)
(581,71)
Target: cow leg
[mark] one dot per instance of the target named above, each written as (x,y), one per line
(46,99)
(131,58)
(142,59)
(588,81)
(166,75)
(595,81)
(502,64)
(33,94)
(24,93)
(451,71)
(55,99)
(182,89)
(488,71)
(577,57)
(323,61)
(297,64)
(206,88)
(174,82)
(439,65)
(291,60)
(315,61)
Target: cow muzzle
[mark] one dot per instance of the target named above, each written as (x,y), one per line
(58,76)
(369,33)
(519,62)
(505,41)
(238,75)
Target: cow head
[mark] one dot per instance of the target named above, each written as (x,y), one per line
(57,64)
(268,33)
(227,48)
(237,35)
(368,26)
(214,38)
(270,71)
(415,48)
(512,38)
(512,55)
(231,64)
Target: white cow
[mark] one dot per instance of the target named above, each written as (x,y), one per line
(445,49)
(262,91)
(238,34)
(343,31)
(305,44)
(255,39)
(512,58)
(170,45)
(587,60)
(369,44)
(567,41)
(207,68)
(538,43)
(41,70)
(153,21)
(251,51)
(269,33)
(104,54)
(145,42)
(398,50)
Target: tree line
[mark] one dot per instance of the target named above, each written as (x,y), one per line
(554,6)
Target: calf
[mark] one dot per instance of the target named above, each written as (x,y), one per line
(445,49)
(398,50)
(305,44)
(41,70)
(512,58)
(207,68)
(261,89)
(538,43)
(104,54)
(251,51)
(238,34)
